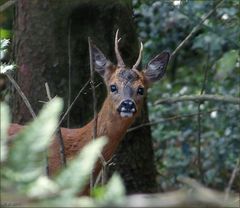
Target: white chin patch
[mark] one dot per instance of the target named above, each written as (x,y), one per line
(126,115)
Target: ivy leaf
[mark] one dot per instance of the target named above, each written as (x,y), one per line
(226,63)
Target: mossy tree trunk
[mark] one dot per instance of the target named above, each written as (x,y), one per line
(51,40)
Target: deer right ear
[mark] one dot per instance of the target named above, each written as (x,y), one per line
(100,62)
(156,68)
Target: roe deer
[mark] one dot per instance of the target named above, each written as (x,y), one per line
(126,88)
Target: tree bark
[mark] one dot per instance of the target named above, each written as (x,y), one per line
(51,39)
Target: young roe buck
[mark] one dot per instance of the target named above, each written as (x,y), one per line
(126,88)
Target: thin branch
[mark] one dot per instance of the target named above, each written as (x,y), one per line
(75,99)
(20,92)
(48,91)
(58,133)
(49,98)
(102,159)
(199,98)
(199,127)
(200,171)
(6,5)
(195,19)
(196,28)
(94,130)
(61,147)
(60,122)
(93,91)
(69,71)
(162,120)
(233,176)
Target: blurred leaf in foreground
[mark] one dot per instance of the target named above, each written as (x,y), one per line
(114,192)
(26,158)
(73,179)
(5,119)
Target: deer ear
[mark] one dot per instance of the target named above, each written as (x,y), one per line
(156,68)
(100,62)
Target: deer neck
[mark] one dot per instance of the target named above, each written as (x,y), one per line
(111,125)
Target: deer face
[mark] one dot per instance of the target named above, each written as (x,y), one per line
(127,86)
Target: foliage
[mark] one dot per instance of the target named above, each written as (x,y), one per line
(4,43)
(5,67)
(23,179)
(215,47)
(4,126)
(6,19)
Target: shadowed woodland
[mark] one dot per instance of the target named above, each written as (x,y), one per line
(182,149)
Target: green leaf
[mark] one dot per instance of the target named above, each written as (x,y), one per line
(115,191)
(3,48)
(5,34)
(6,67)
(226,63)
(4,43)
(5,120)
(27,154)
(73,179)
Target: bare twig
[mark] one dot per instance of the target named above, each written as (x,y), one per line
(58,133)
(6,5)
(61,147)
(75,99)
(192,195)
(200,171)
(199,127)
(93,91)
(199,98)
(69,71)
(94,130)
(49,98)
(20,92)
(102,173)
(233,176)
(196,28)
(48,91)
(196,19)
(162,120)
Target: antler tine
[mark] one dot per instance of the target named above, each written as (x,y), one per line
(139,57)
(119,58)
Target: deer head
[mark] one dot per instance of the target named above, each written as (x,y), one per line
(127,86)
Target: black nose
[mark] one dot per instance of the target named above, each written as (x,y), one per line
(127,106)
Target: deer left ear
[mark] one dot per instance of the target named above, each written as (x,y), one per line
(156,68)
(100,62)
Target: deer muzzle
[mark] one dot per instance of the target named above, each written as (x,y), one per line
(127,108)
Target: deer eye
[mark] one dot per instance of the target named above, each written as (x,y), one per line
(113,88)
(140,91)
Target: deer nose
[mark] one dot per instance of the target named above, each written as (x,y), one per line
(127,106)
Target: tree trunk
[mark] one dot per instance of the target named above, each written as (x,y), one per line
(51,45)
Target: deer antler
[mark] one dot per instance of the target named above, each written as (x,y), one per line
(139,57)
(119,58)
